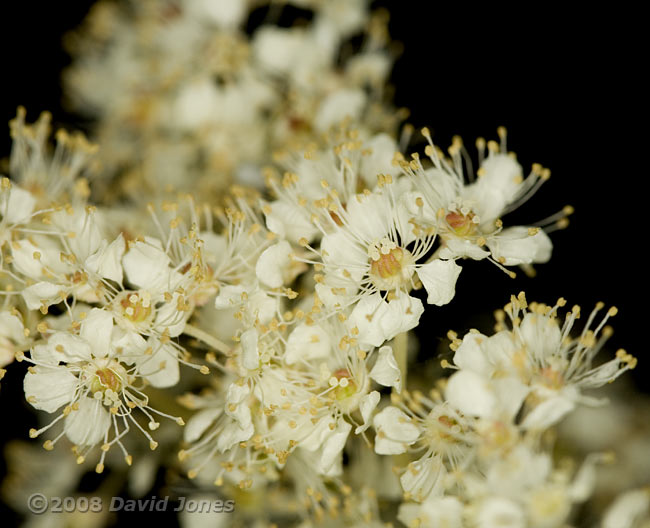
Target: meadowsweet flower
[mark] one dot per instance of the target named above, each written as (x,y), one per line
(97,382)
(375,256)
(313,182)
(541,365)
(49,176)
(119,264)
(467,216)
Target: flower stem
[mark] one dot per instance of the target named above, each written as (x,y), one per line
(400,351)
(208,339)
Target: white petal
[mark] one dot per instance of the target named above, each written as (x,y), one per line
(542,335)
(338,106)
(290,221)
(498,512)
(69,348)
(548,413)
(315,438)
(439,279)
(439,511)
(229,296)
(263,306)
(88,424)
(170,318)
(43,293)
(584,481)
(400,315)
(237,395)
(496,188)
(194,103)
(147,266)
(501,348)
(627,509)
(18,207)
(215,248)
(307,342)
(272,264)
(369,216)
(50,388)
(382,149)
(160,368)
(341,250)
(515,246)
(107,261)
(199,423)
(276,49)
(455,247)
(395,431)
(378,321)
(423,476)
(471,394)
(510,393)
(385,370)
(22,253)
(133,345)
(366,317)
(234,433)
(88,235)
(333,446)
(11,326)
(97,329)
(250,352)
(367,406)
(470,354)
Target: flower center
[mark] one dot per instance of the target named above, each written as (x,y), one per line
(462,224)
(389,265)
(136,307)
(552,378)
(105,379)
(346,387)
(442,429)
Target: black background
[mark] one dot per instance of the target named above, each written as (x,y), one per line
(566,85)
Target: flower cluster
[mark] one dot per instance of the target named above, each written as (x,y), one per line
(235,273)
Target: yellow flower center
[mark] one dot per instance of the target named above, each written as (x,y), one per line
(389,265)
(105,378)
(461,224)
(345,389)
(552,378)
(135,307)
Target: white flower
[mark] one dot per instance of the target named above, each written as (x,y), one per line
(308,188)
(90,375)
(536,364)
(467,216)
(373,248)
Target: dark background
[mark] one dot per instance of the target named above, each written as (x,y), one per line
(566,85)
